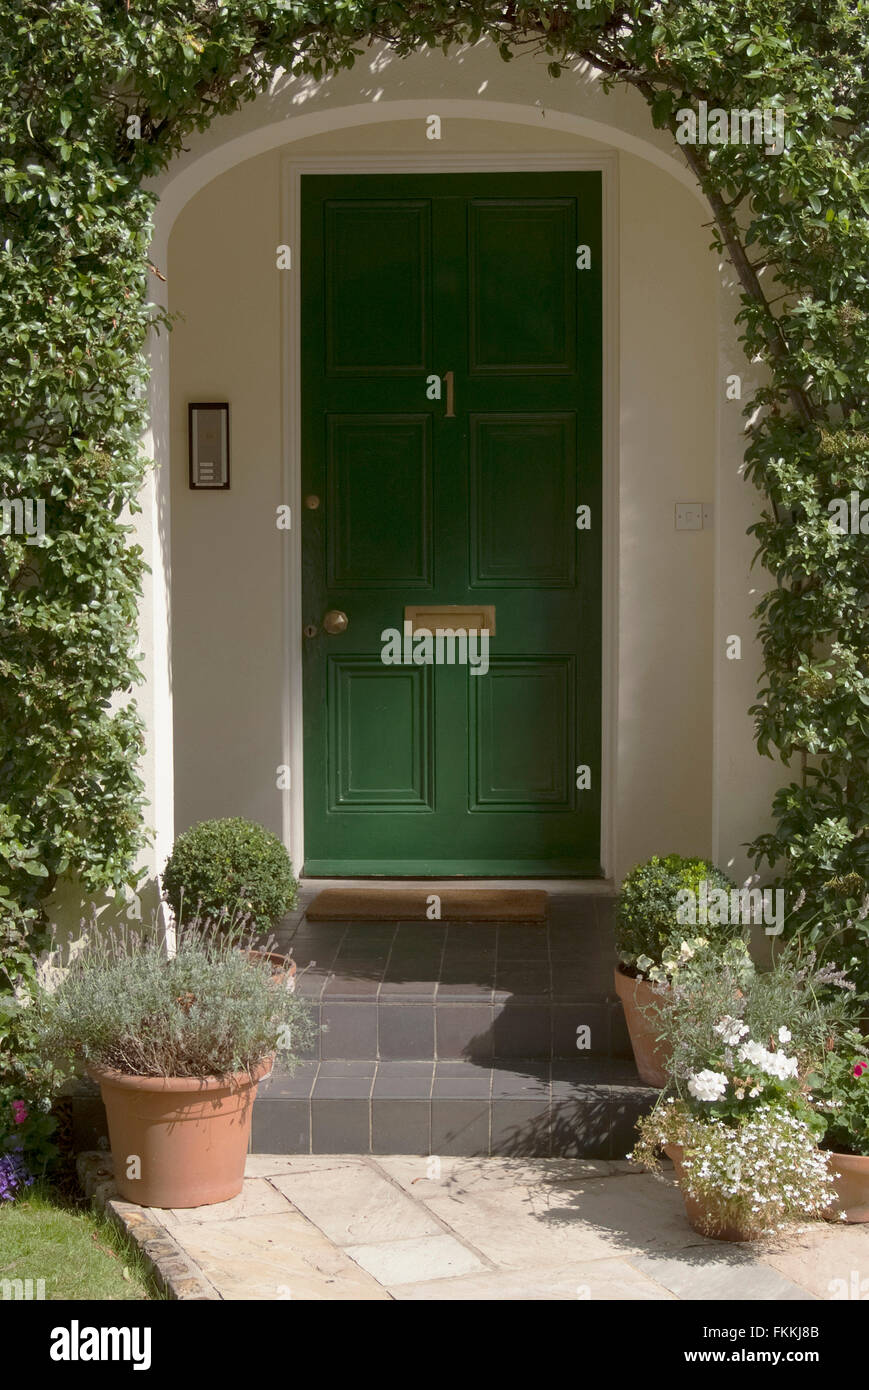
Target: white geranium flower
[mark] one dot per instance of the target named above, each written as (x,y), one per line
(777,1064)
(784,1035)
(707,1085)
(731,1030)
(773,1063)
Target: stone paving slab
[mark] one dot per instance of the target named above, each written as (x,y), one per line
(565,1210)
(409,1261)
(257,1198)
(711,1275)
(323,1227)
(355,1206)
(276,1257)
(274,1165)
(597,1280)
(831,1261)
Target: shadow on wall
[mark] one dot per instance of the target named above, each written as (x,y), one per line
(75,913)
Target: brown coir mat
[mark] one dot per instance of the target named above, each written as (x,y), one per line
(413,904)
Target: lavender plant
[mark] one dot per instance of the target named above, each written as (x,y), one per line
(211,1010)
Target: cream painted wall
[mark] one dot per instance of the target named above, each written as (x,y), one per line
(668,455)
(226,551)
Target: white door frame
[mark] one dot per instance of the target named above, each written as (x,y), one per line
(293,169)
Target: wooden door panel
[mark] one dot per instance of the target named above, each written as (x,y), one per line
(522,254)
(522,735)
(377,287)
(523,491)
(369,459)
(367,771)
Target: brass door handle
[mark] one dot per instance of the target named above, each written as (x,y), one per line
(450,380)
(335,621)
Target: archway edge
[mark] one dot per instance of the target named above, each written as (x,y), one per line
(202,169)
(175,192)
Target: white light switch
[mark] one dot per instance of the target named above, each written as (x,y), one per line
(689,516)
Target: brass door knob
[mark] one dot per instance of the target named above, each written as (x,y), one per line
(335,621)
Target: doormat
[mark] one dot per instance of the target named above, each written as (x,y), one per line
(412,904)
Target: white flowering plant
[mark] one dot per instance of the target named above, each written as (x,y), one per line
(718,1002)
(748,1135)
(744,1046)
(753,1174)
(744,1075)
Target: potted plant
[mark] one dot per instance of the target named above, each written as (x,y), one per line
(238,875)
(654,936)
(177,1046)
(228,869)
(738,1119)
(841,1094)
(741,1177)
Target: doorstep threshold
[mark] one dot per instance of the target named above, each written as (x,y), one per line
(566,887)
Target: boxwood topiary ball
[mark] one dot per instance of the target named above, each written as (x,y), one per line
(646,912)
(227,868)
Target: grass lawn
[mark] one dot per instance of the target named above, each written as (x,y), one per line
(76,1250)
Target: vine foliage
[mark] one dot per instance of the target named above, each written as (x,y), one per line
(99,95)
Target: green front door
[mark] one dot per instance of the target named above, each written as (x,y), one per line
(474,498)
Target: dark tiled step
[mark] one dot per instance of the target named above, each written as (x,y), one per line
(420,990)
(574,949)
(523,1108)
(455,1026)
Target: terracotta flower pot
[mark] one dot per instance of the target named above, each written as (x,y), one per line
(636,995)
(851,1172)
(696,1212)
(190,1134)
(283,967)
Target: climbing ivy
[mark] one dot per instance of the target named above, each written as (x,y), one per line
(98,97)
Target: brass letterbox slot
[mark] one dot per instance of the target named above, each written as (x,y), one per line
(471,617)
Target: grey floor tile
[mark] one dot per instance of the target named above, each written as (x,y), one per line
(348,986)
(406,1031)
(586,1024)
(350,1029)
(404,1080)
(464,990)
(340,1126)
(520,943)
(298,1083)
(311,983)
(581,1125)
(461,1081)
(521,981)
(401,985)
(523,1029)
(281,1126)
(460,1127)
(512,1079)
(520,1127)
(349,1066)
(344,1087)
(463,1031)
(400,1126)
